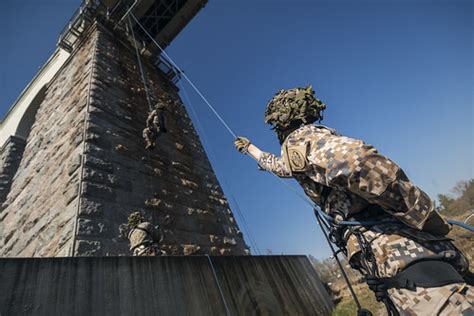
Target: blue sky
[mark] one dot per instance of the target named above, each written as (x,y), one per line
(398,74)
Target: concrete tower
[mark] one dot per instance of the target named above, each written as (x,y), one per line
(73,163)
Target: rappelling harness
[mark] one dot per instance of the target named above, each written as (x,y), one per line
(433,272)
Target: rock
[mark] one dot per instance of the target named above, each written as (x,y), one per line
(71,193)
(74,164)
(190,249)
(120,147)
(168,221)
(88,227)
(152,202)
(225,251)
(91,208)
(88,248)
(189,183)
(229,241)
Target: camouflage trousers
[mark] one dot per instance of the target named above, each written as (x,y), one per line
(394,248)
(147,251)
(451,299)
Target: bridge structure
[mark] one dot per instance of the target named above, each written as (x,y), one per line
(74,166)
(163,19)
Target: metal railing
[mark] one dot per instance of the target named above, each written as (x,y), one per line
(79,22)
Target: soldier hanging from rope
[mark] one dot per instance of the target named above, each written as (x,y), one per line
(410,264)
(143,236)
(155,123)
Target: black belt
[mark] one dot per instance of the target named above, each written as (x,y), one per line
(427,273)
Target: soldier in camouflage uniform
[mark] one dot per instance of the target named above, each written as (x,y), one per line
(350,180)
(155,125)
(143,236)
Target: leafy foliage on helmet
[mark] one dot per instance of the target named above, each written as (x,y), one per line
(134,219)
(291,106)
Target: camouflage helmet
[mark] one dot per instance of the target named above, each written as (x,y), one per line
(292,106)
(135,218)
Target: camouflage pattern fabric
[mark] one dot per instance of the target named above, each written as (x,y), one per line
(144,240)
(397,246)
(154,126)
(451,299)
(148,251)
(149,136)
(318,158)
(293,105)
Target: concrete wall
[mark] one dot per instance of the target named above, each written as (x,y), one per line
(85,168)
(197,285)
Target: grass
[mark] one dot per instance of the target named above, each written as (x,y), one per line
(348,307)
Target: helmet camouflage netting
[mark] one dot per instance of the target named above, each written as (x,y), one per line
(134,219)
(293,105)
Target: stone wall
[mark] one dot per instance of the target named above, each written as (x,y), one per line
(73,197)
(41,207)
(10,157)
(174,184)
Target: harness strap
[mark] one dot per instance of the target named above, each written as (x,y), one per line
(325,193)
(427,273)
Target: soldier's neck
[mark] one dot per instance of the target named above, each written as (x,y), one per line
(282,135)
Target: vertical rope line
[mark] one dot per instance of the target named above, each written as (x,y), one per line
(185,77)
(356,300)
(214,156)
(84,136)
(205,99)
(218,286)
(142,73)
(244,220)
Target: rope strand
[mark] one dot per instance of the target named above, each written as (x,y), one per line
(240,213)
(185,77)
(142,73)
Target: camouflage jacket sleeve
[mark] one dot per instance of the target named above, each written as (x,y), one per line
(351,165)
(274,164)
(151,230)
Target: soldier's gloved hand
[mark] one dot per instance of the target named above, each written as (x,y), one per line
(242,144)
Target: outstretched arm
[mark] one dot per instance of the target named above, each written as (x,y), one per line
(267,161)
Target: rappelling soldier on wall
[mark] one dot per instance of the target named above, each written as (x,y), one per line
(143,236)
(417,270)
(155,125)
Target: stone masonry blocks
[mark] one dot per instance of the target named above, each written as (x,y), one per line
(84,167)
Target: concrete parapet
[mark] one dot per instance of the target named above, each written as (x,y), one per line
(192,285)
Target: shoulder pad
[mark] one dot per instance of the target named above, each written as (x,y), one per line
(297,157)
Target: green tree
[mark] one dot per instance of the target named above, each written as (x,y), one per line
(460,201)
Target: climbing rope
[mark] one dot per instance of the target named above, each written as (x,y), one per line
(213,155)
(139,60)
(185,77)
(142,74)
(335,255)
(221,293)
